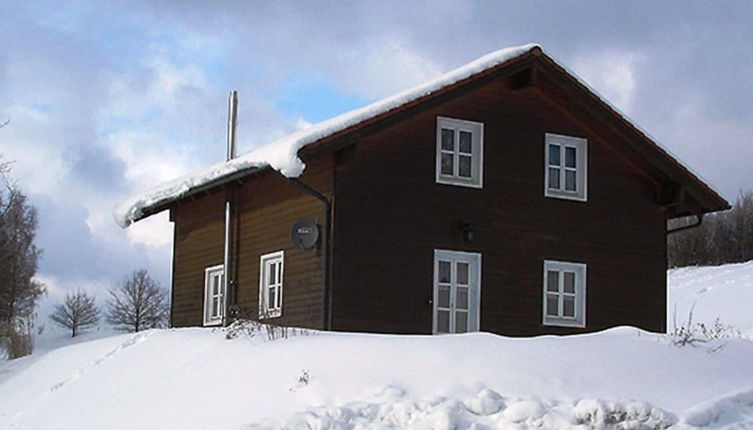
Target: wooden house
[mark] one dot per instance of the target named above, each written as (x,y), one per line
(504,196)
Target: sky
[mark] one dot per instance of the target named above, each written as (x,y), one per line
(109,98)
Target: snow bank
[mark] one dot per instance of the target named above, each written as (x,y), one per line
(486,409)
(196,379)
(282,154)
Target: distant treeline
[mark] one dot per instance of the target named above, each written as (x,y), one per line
(725,237)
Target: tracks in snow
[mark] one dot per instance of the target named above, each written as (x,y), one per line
(133,340)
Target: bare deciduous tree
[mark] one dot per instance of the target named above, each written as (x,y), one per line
(724,237)
(77,312)
(138,303)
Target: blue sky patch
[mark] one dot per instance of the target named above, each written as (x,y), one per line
(314,99)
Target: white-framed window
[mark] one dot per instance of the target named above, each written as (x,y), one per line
(270,284)
(564,294)
(565,167)
(460,152)
(214,295)
(457,291)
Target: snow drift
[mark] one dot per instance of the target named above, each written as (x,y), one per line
(197,378)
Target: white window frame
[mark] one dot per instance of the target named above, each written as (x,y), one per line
(581,167)
(266,263)
(476,180)
(579,269)
(211,273)
(474,289)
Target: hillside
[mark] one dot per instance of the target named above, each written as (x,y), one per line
(198,378)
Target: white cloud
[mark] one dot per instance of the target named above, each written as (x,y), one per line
(33,143)
(149,160)
(155,85)
(385,68)
(301,123)
(612,74)
(155,232)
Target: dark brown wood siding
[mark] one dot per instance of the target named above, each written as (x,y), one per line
(266,205)
(199,234)
(390,216)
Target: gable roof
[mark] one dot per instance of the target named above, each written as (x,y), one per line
(283,154)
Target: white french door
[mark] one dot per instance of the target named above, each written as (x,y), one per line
(457,285)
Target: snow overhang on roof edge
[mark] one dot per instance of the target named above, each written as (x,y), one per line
(282,154)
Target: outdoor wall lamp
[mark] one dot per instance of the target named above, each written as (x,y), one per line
(467,231)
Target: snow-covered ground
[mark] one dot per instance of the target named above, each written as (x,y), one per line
(197,378)
(47,338)
(724,292)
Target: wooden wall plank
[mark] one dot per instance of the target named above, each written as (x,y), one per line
(267,207)
(391,215)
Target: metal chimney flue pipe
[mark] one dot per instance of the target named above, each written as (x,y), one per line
(228,285)
(232,116)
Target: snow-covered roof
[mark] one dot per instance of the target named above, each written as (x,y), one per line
(282,154)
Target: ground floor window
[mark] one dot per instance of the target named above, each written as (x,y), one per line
(270,285)
(214,295)
(457,285)
(564,294)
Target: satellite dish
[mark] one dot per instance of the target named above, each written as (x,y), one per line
(304,234)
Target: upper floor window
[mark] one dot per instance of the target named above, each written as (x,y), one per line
(460,150)
(214,295)
(564,294)
(270,285)
(566,167)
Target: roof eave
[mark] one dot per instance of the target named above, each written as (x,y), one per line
(707,197)
(315,146)
(166,204)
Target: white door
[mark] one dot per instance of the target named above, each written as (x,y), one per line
(457,285)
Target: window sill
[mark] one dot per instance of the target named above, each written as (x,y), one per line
(446,180)
(270,315)
(563,323)
(565,195)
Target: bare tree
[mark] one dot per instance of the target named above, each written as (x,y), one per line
(724,237)
(77,312)
(19,291)
(138,303)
